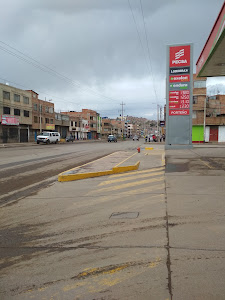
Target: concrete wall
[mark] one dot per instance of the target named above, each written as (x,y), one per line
(221,134)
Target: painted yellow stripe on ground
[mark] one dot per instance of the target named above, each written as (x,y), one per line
(138,172)
(125,160)
(135,176)
(141,190)
(127,185)
(207,164)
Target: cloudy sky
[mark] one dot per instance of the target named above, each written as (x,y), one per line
(96,54)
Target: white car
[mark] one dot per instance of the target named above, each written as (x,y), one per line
(48,137)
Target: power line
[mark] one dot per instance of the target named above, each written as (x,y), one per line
(147,42)
(28,59)
(52,96)
(148,59)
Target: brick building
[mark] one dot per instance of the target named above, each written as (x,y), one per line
(208,118)
(91,121)
(43,115)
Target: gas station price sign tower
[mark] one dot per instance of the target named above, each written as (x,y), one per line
(179,85)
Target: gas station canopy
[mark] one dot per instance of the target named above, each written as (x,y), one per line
(211,61)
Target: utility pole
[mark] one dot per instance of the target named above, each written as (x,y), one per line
(157,121)
(40,108)
(204,117)
(122,119)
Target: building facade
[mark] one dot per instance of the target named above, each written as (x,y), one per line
(15,114)
(43,115)
(62,124)
(90,119)
(208,116)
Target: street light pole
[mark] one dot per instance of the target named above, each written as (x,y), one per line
(204,117)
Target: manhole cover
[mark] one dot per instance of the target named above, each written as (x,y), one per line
(124,215)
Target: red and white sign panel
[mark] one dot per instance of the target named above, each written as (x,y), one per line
(182,112)
(9,120)
(180,56)
(179,100)
(180,78)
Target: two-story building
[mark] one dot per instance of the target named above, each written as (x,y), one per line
(15,114)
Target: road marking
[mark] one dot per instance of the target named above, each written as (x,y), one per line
(127,185)
(138,172)
(207,164)
(97,282)
(126,159)
(131,178)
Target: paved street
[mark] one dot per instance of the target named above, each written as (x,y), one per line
(24,170)
(154,233)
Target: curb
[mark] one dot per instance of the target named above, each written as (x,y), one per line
(115,170)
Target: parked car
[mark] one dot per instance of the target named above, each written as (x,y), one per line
(48,137)
(135,138)
(70,138)
(112,138)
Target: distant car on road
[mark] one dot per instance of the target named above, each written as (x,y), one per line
(112,138)
(135,138)
(70,138)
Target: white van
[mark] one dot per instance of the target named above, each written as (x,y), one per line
(48,137)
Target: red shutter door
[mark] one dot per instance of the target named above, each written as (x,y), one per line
(213,136)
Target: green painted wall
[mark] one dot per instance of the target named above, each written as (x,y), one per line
(197,133)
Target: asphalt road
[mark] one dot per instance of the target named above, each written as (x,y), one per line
(149,234)
(24,170)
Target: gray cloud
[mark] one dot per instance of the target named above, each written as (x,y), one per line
(95,42)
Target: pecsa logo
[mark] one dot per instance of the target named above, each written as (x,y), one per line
(180,56)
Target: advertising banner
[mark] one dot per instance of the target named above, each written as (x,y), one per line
(50,126)
(9,120)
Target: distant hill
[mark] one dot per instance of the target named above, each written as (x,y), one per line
(216,89)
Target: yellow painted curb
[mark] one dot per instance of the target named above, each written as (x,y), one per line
(148,148)
(115,170)
(126,168)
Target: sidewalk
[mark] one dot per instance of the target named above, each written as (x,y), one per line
(195,192)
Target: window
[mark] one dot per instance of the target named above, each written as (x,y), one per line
(35,106)
(58,117)
(75,124)
(51,110)
(25,100)
(194,115)
(71,123)
(46,109)
(16,98)
(51,121)
(6,95)
(6,110)
(35,119)
(65,118)
(40,108)
(26,113)
(200,84)
(47,120)
(16,112)
(195,99)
